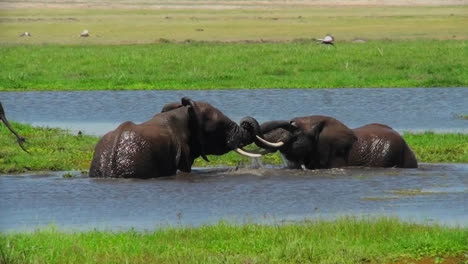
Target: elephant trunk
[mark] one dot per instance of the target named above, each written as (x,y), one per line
(19,138)
(254,133)
(247,132)
(243,134)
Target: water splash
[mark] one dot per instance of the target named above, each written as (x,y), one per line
(256,163)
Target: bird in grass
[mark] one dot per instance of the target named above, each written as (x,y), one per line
(26,34)
(328,39)
(85,33)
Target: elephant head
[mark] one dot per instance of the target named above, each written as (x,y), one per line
(311,142)
(171,141)
(214,132)
(19,138)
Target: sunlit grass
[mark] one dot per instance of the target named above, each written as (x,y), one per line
(58,150)
(435,147)
(50,149)
(229,66)
(346,240)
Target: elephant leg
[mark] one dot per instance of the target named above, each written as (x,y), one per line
(324,155)
(409,159)
(291,164)
(339,157)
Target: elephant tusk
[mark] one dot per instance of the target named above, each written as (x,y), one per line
(270,144)
(247,154)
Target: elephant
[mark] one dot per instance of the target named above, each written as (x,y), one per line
(170,141)
(19,138)
(323,142)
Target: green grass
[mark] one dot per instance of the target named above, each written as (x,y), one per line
(425,63)
(346,240)
(57,150)
(190,45)
(435,147)
(461,116)
(50,149)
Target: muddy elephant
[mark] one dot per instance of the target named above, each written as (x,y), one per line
(19,138)
(171,141)
(320,142)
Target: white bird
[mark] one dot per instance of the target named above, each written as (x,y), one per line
(328,39)
(26,34)
(85,33)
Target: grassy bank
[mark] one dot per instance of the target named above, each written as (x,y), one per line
(347,240)
(56,149)
(428,63)
(50,149)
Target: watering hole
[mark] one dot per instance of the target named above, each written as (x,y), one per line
(433,193)
(97,112)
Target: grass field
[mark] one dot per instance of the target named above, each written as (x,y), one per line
(346,240)
(57,150)
(422,63)
(194,20)
(50,149)
(231,44)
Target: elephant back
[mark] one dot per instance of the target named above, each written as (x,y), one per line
(379,145)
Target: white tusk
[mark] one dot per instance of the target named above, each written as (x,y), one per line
(247,154)
(271,144)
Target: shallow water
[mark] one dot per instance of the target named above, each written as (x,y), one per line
(431,193)
(407,109)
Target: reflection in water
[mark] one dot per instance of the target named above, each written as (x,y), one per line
(415,109)
(434,192)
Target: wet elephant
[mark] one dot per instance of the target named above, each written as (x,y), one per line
(19,138)
(170,141)
(317,142)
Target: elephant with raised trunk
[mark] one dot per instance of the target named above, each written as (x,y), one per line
(171,141)
(322,142)
(19,138)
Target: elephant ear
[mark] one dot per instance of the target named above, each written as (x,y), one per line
(273,125)
(315,130)
(196,121)
(320,152)
(171,106)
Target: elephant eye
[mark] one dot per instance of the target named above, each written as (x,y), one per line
(293,126)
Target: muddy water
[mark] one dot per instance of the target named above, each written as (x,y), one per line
(407,109)
(432,193)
